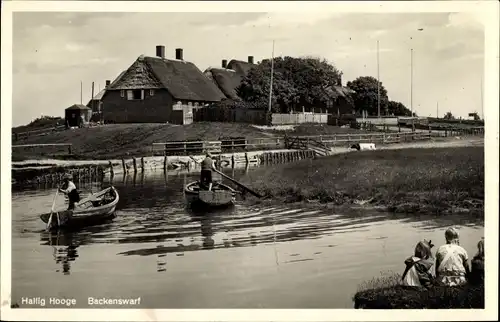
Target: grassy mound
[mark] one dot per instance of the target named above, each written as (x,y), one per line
(431,180)
(386,293)
(120,140)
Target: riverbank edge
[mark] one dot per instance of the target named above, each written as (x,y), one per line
(363,206)
(34,170)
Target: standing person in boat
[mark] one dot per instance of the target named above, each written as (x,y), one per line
(207,165)
(69,189)
(418,267)
(452,267)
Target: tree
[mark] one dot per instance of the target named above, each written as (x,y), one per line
(366,96)
(296,82)
(448,116)
(398,109)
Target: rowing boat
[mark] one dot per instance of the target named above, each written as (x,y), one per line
(221,195)
(92,210)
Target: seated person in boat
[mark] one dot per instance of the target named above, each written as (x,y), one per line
(207,165)
(452,267)
(418,267)
(69,188)
(477,265)
(106,199)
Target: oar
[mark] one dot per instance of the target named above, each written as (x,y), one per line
(239,184)
(52,209)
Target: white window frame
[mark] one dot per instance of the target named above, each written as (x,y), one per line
(130,95)
(122,93)
(151,92)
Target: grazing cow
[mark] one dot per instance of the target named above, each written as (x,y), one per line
(363,146)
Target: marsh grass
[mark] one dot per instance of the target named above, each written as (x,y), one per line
(407,180)
(386,292)
(385,280)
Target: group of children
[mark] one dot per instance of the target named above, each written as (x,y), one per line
(450,268)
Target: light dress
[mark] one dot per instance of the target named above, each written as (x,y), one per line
(451,270)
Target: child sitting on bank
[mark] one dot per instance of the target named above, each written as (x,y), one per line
(418,267)
(476,275)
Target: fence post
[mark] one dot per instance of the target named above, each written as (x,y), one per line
(134,161)
(142,164)
(69,149)
(165,162)
(111,172)
(124,167)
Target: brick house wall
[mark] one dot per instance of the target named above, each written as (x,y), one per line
(156,108)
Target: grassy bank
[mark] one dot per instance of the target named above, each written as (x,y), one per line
(121,140)
(431,180)
(386,292)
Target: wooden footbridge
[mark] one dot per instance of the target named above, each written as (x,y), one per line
(307,143)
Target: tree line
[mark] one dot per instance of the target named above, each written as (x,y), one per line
(308,82)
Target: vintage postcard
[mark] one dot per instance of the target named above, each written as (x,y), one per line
(253,161)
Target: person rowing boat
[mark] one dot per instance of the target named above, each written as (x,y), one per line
(69,189)
(207,165)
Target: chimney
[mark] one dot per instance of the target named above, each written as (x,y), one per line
(108,82)
(160,51)
(250,59)
(179,54)
(224,63)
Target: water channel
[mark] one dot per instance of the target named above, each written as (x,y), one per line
(250,256)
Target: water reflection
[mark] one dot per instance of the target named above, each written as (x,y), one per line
(64,249)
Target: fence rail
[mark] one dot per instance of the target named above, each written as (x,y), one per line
(225,145)
(303,141)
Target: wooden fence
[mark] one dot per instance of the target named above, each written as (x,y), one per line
(346,139)
(317,142)
(298,118)
(255,116)
(221,146)
(233,115)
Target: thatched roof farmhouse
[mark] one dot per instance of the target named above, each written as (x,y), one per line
(157,89)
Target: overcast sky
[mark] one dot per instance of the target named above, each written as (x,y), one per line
(53,52)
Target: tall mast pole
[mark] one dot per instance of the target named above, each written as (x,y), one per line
(411,81)
(378,80)
(271,84)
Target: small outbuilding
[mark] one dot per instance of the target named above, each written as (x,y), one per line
(77,115)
